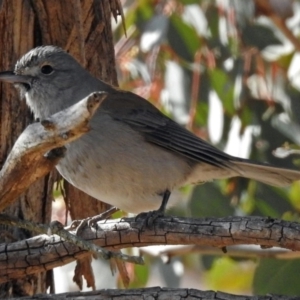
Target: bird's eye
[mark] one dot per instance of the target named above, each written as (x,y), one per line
(46,69)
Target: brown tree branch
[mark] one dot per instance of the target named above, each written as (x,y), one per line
(57,228)
(27,162)
(46,252)
(155,293)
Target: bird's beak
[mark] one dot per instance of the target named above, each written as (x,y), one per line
(11,77)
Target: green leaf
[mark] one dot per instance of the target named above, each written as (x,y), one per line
(212,16)
(266,209)
(284,61)
(141,275)
(223,86)
(247,200)
(229,275)
(294,195)
(143,12)
(271,201)
(290,216)
(201,114)
(207,201)
(56,193)
(183,38)
(277,276)
(246,116)
(247,203)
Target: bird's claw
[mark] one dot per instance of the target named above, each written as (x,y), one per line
(91,222)
(79,225)
(150,217)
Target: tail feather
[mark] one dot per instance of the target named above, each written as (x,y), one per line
(264,173)
(267,174)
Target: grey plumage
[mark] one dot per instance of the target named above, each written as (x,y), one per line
(134,153)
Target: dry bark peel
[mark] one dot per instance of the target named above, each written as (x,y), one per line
(26,162)
(45,252)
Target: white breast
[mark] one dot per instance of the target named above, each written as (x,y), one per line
(116,165)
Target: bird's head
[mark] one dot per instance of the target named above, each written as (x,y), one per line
(49,78)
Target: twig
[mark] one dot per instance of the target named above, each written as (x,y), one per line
(58,229)
(46,252)
(27,162)
(155,293)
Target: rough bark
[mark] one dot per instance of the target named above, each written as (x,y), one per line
(157,293)
(46,252)
(83,29)
(27,161)
(16,36)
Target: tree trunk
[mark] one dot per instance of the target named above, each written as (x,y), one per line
(83,29)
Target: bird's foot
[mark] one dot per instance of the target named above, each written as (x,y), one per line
(149,217)
(79,225)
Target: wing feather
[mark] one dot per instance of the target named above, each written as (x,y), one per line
(161,130)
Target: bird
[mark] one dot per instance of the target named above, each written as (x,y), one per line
(134,156)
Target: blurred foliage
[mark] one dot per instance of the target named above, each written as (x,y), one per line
(225,275)
(271,275)
(229,71)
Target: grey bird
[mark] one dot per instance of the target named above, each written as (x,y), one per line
(134,156)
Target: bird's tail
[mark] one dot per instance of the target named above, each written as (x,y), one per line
(266,174)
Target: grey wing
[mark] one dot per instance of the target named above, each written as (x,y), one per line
(178,139)
(164,132)
(158,129)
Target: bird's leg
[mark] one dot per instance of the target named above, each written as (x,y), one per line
(151,216)
(164,202)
